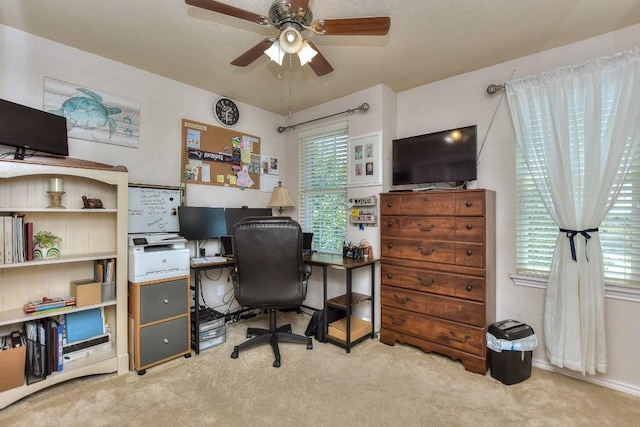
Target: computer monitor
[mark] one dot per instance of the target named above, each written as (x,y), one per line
(235,215)
(307,243)
(201,223)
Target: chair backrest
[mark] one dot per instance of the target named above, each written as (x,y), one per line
(269,270)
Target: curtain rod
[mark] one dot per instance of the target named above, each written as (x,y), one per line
(363,107)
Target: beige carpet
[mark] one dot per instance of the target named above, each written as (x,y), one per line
(376,385)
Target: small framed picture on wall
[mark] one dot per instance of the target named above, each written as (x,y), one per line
(365,160)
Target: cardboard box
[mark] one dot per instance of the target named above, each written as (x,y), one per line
(87,292)
(12,367)
(359,328)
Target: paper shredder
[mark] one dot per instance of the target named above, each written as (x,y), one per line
(510,343)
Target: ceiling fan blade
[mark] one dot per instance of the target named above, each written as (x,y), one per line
(254,53)
(319,63)
(298,4)
(225,9)
(378,26)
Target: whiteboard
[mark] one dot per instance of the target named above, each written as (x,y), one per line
(153,209)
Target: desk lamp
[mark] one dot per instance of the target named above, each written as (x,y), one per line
(280,198)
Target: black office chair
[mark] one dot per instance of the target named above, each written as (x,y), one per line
(269,274)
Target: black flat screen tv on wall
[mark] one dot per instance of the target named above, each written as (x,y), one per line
(444,156)
(27,128)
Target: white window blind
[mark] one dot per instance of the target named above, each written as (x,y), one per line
(619,233)
(323,186)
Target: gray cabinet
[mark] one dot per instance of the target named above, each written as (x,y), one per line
(159,322)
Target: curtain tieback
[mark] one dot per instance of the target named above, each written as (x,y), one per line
(572,233)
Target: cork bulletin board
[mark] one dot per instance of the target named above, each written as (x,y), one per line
(212,155)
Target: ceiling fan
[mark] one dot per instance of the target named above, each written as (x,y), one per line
(292,17)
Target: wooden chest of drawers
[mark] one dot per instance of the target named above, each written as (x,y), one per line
(438,272)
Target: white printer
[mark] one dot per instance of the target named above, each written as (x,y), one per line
(155,256)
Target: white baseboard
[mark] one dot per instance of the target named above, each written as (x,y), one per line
(625,388)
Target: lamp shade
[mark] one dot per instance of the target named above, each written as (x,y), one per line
(290,41)
(275,53)
(280,198)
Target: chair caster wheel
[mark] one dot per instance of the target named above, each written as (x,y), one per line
(310,344)
(234,355)
(276,363)
(248,335)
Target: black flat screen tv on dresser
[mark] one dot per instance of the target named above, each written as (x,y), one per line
(27,128)
(437,157)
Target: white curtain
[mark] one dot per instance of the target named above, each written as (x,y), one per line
(578,128)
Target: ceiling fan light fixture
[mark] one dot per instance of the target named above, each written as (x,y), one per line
(275,53)
(290,40)
(306,53)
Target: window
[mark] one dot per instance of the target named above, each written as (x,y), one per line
(323,186)
(619,233)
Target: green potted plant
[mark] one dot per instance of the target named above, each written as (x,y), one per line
(45,245)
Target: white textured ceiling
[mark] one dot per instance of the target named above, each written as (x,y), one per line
(428,40)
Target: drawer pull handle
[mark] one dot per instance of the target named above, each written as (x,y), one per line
(166,341)
(425,283)
(457,339)
(428,252)
(400,300)
(469,252)
(390,276)
(469,288)
(469,226)
(397,321)
(390,224)
(429,228)
(468,204)
(390,245)
(166,301)
(389,204)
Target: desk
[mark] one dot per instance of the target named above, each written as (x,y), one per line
(345,301)
(323,260)
(195,318)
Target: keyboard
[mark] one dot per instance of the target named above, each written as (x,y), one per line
(208,260)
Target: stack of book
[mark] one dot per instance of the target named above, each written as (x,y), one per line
(16,241)
(49,304)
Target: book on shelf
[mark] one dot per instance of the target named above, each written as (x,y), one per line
(16,243)
(1,240)
(59,332)
(49,304)
(8,238)
(28,240)
(18,238)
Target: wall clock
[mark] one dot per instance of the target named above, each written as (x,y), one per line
(226,111)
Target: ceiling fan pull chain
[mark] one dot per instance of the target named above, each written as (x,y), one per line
(290,83)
